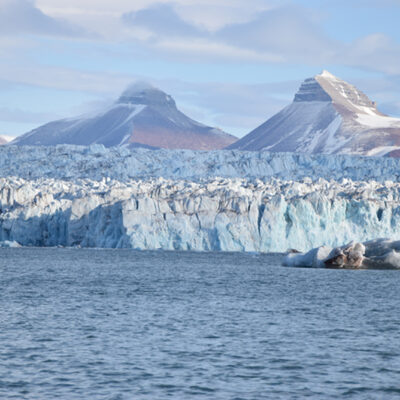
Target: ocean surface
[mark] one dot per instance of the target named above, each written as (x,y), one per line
(123,324)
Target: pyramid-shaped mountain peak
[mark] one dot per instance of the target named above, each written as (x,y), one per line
(327,87)
(327,74)
(328,115)
(143,116)
(146,94)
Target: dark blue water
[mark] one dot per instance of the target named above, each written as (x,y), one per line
(121,324)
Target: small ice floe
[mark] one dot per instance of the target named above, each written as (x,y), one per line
(9,243)
(375,254)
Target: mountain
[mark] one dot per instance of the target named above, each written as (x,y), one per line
(327,115)
(143,116)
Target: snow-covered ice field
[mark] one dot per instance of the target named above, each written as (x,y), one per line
(120,163)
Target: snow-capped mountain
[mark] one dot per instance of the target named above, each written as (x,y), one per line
(143,116)
(328,115)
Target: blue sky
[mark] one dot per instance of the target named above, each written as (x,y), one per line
(227,63)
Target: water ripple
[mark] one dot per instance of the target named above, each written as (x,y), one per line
(121,325)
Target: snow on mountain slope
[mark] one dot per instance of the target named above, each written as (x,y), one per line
(328,116)
(143,116)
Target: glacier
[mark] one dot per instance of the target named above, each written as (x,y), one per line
(122,163)
(187,200)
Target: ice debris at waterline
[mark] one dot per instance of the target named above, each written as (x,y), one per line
(215,214)
(374,254)
(8,243)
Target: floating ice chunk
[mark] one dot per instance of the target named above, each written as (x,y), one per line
(393,259)
(375,254)
(9,243)
(314,258)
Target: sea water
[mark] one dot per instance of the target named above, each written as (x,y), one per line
(123,324)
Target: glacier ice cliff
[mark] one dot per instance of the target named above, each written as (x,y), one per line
(62,205)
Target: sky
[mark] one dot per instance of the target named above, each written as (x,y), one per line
(227,63)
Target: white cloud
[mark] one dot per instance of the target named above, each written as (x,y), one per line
(214,15)
(209,13)
(277,35)
(270,31)
(288,31)
(376,52)
(162,20)
(103,16)
(201,50)
(100,83)
(21,16)
(289,34)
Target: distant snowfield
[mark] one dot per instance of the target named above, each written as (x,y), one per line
(120,163)
(188,200)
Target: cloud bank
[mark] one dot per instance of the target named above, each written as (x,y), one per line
(288,34)
(21,16)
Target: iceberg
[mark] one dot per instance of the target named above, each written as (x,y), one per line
(374,254)
(7,243)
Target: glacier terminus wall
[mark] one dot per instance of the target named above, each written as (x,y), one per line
(185,200)
(229,214)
